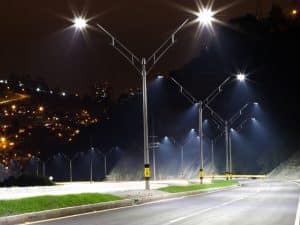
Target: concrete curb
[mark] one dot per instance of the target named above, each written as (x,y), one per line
(184,194)
(55,213)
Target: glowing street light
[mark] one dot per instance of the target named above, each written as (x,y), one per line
(205,16)
(80,23)
(241,77)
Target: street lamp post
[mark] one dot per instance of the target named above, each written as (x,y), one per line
(230,154)
(212,158)
(105,166)
(154,163)
(227,124)
(70,170)
(91,170)
(182,161)
(227,150)
(70,159)
(144,66)
(201,172)
(154,146)
(205,103)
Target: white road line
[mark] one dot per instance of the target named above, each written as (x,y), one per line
(205,210)
(297,219)
(178,219)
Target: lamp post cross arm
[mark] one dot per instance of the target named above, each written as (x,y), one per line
(184,92)
(217,118)
(237,115)
(242,124)
(216,91)
(162,50)
(124,51)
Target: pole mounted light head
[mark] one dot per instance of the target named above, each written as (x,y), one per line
(241,77)
(205,16)
(80,23)
(160,77)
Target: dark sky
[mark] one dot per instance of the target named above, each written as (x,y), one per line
(34,38)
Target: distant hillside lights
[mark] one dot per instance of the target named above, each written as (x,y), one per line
(294,12)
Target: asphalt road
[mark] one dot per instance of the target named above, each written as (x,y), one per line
(256,203)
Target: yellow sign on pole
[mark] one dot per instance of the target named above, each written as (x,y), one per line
(147,172)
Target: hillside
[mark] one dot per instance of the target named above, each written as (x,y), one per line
(289,169)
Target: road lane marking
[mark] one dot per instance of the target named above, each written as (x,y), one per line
(125,207)
(206,210)
(178,219)
(297,219)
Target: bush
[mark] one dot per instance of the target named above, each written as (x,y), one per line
(26,180)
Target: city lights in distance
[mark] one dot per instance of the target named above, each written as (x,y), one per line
(41,108)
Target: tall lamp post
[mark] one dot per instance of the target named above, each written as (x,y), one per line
(227,124)
(70,160)
(181,147)
(205,104)
(144,66)
(105,159)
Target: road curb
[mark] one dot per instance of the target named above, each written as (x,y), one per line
(167,196)
(56,213)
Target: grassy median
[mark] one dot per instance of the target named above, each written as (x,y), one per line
(194,187)
(35,204)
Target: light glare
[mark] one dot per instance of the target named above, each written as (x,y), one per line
(241,77)
(80,23)
(205,16)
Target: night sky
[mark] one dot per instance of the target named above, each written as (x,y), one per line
(35,39)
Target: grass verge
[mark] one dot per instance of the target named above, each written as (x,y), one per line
(36,204)
(194,187)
